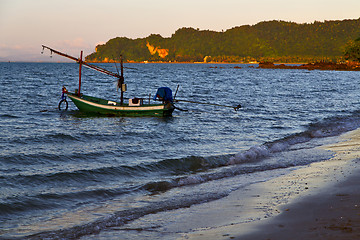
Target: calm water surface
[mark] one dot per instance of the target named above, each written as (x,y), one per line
(69,175)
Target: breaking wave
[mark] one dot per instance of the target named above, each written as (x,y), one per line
(329,127)
(249,161)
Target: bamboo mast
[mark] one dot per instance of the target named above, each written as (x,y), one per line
(80,66)
(122,81)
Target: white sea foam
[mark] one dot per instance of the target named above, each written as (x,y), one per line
(253,154)
(193,179)
(327,128)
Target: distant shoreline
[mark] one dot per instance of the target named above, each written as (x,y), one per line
(352,66)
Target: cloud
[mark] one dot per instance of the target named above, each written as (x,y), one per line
(75,43)
(8,51)
(31,52)
(100,43)
(74,46)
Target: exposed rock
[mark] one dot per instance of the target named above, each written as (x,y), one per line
(314,66)
(153,50)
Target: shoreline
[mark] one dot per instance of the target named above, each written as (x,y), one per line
(323,66)
(319,201)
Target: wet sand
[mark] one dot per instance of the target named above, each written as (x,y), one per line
(321,201)
(331,214)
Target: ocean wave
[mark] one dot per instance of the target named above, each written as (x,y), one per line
(175,173)
(51,177)
(122,217)
(329,127)
(72,176)
(33,157)
(186,165)
(9,116)
(42,201)
(46,138)
(23,204)
(195,169)
(199,178)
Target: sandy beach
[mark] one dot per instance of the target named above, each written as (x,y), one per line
(331,214)
(320,201)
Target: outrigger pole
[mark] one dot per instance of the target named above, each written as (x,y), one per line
(212,104)
(81,62)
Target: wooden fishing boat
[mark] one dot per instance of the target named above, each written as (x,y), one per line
(135,107)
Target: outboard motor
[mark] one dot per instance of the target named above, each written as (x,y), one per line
(164,94)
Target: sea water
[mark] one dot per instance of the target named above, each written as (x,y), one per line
(66,174)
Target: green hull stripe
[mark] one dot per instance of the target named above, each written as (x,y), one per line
(97,105)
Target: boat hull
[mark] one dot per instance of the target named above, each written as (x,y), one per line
(95,105)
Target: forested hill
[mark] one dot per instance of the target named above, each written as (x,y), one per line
(276,41)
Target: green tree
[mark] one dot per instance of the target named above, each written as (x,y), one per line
(352,52)
(276,41)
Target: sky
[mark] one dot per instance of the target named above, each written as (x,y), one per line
(74,25)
